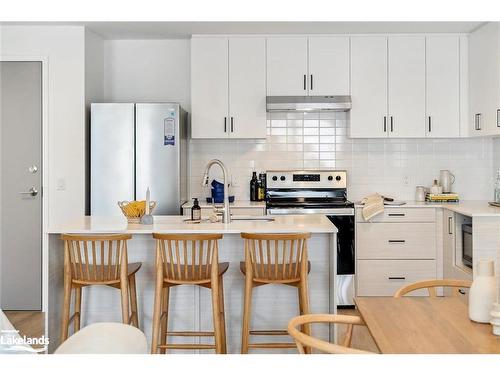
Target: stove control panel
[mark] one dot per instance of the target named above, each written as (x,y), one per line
(300,179)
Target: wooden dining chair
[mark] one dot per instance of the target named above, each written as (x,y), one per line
(305,341)
(188,259)
(97,260)
(274,259)
(431,286)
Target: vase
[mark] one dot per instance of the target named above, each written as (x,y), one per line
(482,293)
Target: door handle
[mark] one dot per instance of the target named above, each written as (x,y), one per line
(397,214)
(385,124)
(396,241)
(32,191)
(305,83)
(397,278)
(225,124)
(430,124)
(450,225)
(311,81)
(477,121)
(232,124)
(392,124)
(498,118)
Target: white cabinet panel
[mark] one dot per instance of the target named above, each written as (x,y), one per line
(329,65)
(209,87)
(287,66)
(406,86)
(247,87)
(385,277)
(484,76)
(400,215)
(443,86)
(368,115)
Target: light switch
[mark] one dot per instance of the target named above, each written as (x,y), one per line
(61,184)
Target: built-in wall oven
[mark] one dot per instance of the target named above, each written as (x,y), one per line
(302,192)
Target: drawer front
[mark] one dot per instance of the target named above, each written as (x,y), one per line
(385,277)
(396,240)
(400,215)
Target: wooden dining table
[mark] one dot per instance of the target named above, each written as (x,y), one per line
(424,325)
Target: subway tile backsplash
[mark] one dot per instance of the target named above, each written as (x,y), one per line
(392,167)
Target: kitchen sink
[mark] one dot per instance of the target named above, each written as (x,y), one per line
(251,218)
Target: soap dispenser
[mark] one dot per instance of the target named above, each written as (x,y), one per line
(196,210)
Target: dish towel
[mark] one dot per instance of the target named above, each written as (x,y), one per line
(372,206)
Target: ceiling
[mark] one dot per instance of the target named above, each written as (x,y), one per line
(166,30)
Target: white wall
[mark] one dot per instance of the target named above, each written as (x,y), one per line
(63,46)
(147,70)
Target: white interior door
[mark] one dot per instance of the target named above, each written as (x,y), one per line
(20,185)
(287,66)
(368,116)
(247,87)
(406,86)
(442,86)
(329,65)
(209,87)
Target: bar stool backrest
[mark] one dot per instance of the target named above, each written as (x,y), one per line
(276,257)
(188,258)
(95,259)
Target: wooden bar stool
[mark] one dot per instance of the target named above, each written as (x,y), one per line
(97,260)
(274,259)
(188,259)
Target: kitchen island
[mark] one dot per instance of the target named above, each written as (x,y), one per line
(190,307)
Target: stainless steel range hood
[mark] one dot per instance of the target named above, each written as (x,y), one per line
(308,103)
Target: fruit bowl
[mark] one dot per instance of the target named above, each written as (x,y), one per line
(135,210)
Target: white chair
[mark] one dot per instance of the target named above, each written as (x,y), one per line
(105,338)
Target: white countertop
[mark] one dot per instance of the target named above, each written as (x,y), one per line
(237,204)
(176,224)
(467,208)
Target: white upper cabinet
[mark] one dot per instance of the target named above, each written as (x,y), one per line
(209,87)
(228,87)
(484,80)
(406,86)
(442,86)
(247,87)
(287,66)
(328,65)
(368,116)
(317,65)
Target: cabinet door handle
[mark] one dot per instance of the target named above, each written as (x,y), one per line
(397,278)
(477,121)
(311,81)
(461,291)
(392,124)
(498,118)
(225,124)
(305,81)
(430,124)
(396,241)
(232,124)
(450,225)
(385,124)
(396,214)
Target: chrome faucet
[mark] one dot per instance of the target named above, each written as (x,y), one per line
(226,214)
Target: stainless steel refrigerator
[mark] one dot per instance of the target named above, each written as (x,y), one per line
(134,146)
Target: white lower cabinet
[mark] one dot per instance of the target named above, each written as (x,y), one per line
(395,248)
(384,277)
